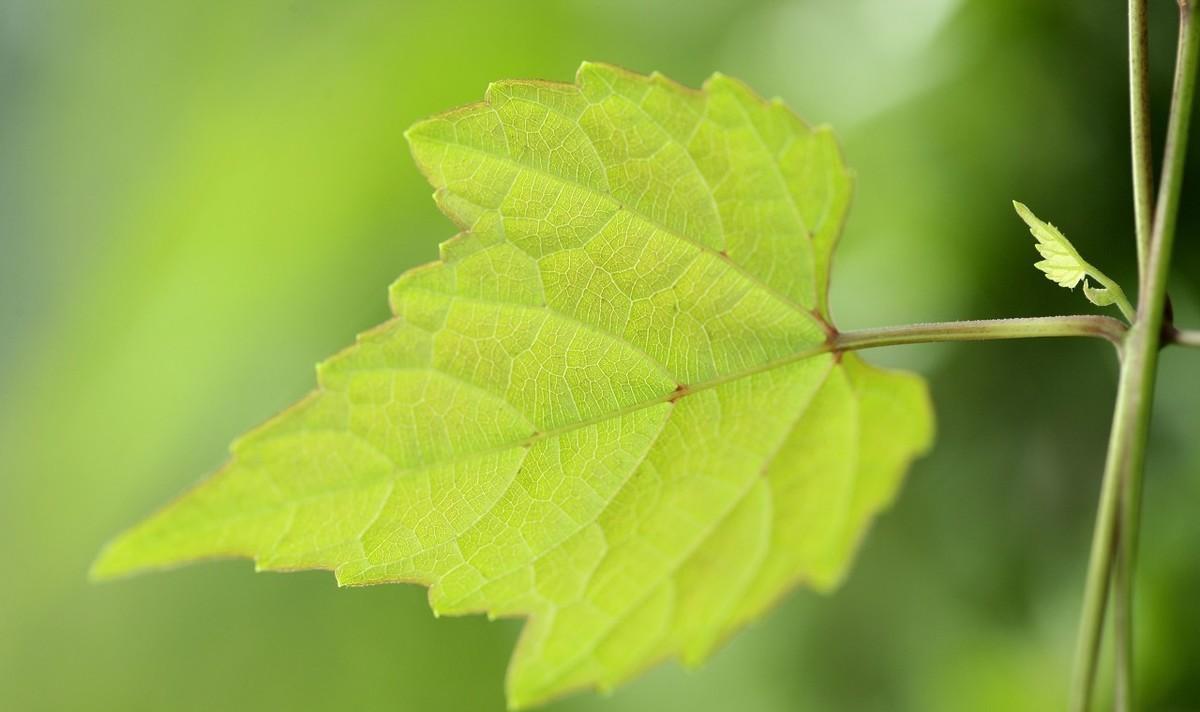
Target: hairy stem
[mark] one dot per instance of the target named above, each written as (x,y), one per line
(1118,516)
(1102,327)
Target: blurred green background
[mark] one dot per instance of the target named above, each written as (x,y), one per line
(199,200)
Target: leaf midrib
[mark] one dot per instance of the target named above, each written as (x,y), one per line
(528,442)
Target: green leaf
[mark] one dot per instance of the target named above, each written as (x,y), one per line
(1061,262)
(1063,265)
(612,406)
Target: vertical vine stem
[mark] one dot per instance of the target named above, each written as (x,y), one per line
(1139,129)
(1118,516)
(1143,207)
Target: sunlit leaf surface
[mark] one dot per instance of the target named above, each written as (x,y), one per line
(612,406)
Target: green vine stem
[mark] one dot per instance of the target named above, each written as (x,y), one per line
(1119,297)
(1139,126)
(1146,343)
(1143,205)
(1117,521)
(1185,337)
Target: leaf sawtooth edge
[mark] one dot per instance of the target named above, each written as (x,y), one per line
(820,311)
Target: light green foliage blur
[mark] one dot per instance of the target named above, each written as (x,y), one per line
(198,201)
(611,407)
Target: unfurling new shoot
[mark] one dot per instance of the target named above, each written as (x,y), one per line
(1064,266)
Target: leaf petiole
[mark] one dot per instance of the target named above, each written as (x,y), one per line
(1103,327)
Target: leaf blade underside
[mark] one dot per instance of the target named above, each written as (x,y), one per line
(612,406)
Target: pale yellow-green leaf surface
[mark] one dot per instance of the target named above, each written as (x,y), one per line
(611,407)
(1060,262)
